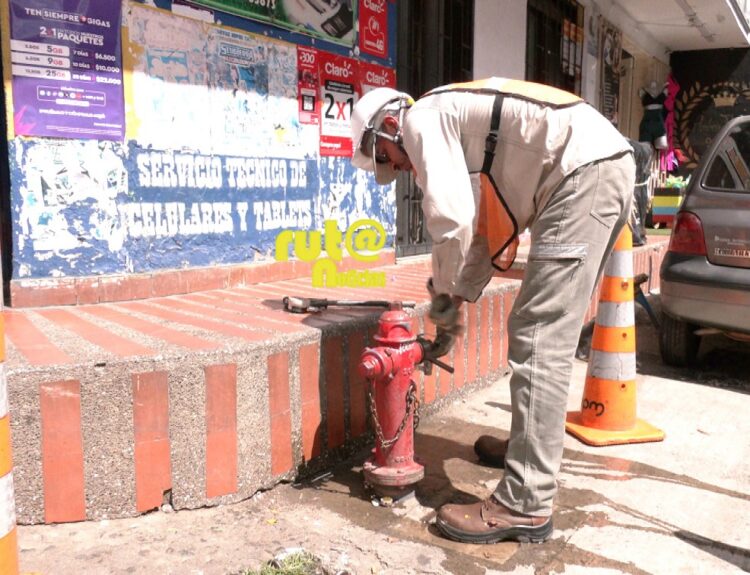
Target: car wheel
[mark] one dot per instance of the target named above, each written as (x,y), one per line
(678,342)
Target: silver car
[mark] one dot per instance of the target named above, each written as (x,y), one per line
(705,275)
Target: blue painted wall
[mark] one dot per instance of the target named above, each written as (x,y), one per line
(88,207)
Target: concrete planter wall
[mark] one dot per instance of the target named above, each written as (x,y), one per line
(204,399)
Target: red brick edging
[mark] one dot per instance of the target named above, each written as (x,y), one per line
(251,397)
(34,292)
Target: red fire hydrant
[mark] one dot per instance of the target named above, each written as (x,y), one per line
(394,403)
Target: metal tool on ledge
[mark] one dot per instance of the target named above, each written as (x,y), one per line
(296,304)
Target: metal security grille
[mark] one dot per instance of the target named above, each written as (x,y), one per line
(554,43)
(435,47)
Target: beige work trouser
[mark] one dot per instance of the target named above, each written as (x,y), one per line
(571,239)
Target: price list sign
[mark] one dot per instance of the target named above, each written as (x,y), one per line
(307,66)
(66,60)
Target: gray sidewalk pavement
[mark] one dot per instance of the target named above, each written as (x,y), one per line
(681,506)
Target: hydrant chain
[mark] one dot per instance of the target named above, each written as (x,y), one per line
(412,404)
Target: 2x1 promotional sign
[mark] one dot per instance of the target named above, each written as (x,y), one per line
(338,94)
(328,88)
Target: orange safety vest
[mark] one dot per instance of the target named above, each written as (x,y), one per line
(496,222)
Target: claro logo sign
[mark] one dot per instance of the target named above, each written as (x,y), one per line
(377,79)
(362,240)
(339,71)
(373,27)
(375,5)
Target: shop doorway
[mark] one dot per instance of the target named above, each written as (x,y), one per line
(435,47)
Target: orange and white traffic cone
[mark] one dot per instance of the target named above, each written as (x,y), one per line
(608,406)
(8,534)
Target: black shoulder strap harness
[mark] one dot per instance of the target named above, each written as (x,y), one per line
(491,142)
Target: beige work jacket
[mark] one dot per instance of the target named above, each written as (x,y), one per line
(538,146)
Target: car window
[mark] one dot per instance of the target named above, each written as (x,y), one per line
(718,175)
(730,167)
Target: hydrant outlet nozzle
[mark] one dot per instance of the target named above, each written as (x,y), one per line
(369,367)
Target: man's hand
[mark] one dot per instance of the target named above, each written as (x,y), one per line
(442,345)
(444,312)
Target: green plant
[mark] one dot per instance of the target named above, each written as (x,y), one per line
(675,182)
(295,564)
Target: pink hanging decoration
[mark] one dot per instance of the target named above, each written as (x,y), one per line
(668,159)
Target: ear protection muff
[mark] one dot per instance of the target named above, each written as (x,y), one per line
(404,103)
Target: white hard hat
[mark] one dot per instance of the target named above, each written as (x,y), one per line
(366,112)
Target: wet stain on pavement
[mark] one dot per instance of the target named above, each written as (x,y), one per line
(445,459)
(626,470)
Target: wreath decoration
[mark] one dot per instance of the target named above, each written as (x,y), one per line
(690,100)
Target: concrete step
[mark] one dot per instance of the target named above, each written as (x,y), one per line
(205,398)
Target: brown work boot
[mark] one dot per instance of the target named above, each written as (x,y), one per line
(491,450)
(490,521)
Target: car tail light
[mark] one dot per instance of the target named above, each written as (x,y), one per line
(687,235)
